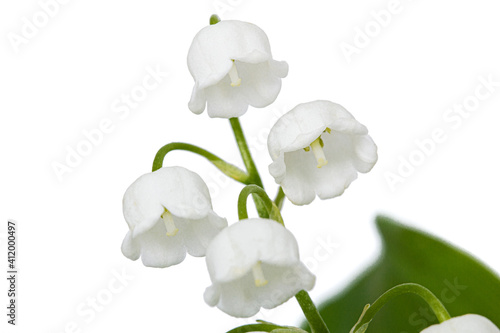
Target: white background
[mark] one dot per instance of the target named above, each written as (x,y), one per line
(65,78)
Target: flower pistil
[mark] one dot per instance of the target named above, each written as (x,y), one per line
(233,75)
(317,148)
(169,223)
(258,275)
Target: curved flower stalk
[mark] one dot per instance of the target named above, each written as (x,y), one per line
(233,68)
(169,212)
(318,148)
(469,323)
(252,264)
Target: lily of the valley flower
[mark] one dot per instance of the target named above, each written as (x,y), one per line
(233,68)
(469,323)
(318,148)
(169,212)
(252,264)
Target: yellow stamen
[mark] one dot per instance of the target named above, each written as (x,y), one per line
(169,223)
(258,275)
(233,75)
(318,152)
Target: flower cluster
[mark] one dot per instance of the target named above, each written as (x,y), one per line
(317,149)
(253,263)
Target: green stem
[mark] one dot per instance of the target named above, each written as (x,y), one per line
(279,200)
(227,168)
(253,173)
(272,210)
(370,311)
(311,312)
(245,152)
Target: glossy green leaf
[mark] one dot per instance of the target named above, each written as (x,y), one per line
(463,284)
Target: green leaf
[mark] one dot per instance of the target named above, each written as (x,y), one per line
(463,284)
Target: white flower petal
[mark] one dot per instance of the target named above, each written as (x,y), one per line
(159,250)
(297,184)
(241,298)
(130,248)
(279,68)
(198,100)
(365,153)
(286,281)
(469,323)
(235,298)
(212,295)
(260,86)
(198,234)
(332,179)
(222,99)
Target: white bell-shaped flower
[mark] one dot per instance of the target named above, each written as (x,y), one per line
(233,68)
(318,148)
(169,212)
(469,323)
(254,263)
